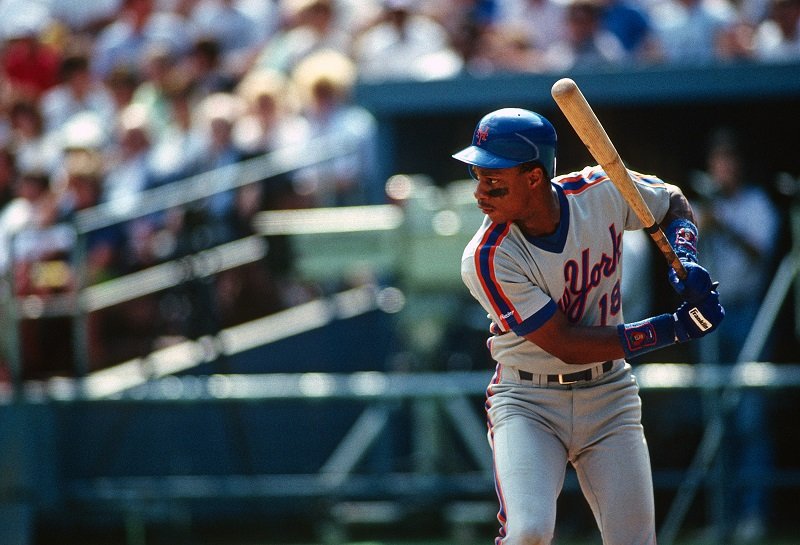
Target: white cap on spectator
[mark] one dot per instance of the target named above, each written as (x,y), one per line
(220,106)
(84,130)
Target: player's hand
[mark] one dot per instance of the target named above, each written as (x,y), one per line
(695,320)
(494,329)
(697,284)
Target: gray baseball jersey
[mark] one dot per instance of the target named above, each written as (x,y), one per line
(521,281)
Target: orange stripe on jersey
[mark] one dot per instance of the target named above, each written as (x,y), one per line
(484,266)
(582,181)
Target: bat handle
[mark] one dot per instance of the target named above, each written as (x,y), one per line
(663,244)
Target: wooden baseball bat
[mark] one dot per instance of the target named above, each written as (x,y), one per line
(583,119)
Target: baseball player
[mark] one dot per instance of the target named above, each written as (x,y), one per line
(546,266)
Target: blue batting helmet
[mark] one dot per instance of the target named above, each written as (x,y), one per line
(509,137)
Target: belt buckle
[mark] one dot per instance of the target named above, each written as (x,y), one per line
(565,382)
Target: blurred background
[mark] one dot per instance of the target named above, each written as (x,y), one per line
(230,236)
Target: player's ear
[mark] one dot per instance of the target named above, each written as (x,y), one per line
(536,175)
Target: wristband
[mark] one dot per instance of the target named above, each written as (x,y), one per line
(682,235)
(650,334)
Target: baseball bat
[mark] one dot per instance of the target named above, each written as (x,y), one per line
(583,119)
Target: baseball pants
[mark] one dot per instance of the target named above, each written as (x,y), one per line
(536,429)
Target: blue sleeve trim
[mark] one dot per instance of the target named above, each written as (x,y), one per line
(532,323)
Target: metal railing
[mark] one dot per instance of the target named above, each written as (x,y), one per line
(449,400)
(84,298)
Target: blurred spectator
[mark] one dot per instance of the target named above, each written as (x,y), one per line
(265,15)
(129,173)
(157,65)
(104,250)
(127,161)
(729,209)
(542,20)
(82,16)
(739,234)
(271,119)
(631,24)
(691,32)
(404,44)
(30,198)
(33,146)
(308,26)
(226,24)
(121,43)
(324,81)
(205,67)
(354,15)
(8,175)
(177,149)
(735,43)
(83,172)
(135,32)
(85,132)
(35,238)
(464,21)
(192,309)
(217,115)
(752,12)
(6,98)
(121,84)
(777,39)
(35,246)
(585,44)
(504,49)
(29,65)
(78,92)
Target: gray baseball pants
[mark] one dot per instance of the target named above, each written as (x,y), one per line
(536,428)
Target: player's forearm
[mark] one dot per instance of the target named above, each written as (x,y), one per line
(593,344)
(578,345)
(679,207)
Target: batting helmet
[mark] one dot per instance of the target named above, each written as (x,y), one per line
(509,137)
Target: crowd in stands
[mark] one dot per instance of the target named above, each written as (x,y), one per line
(101,100)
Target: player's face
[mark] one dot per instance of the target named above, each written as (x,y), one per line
(503,194)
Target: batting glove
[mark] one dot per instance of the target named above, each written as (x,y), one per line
(693,321)
(690,321)
(697,284)
(682,235)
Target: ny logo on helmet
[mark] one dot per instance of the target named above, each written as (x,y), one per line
(481,134)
